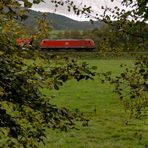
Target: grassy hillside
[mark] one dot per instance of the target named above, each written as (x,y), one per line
(61,22)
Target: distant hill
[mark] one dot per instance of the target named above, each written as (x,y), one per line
(61,22)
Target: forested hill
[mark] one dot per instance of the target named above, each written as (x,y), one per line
(61,22)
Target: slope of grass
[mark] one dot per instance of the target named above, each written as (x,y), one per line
(109,125)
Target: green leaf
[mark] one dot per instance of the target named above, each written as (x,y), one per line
(27,4)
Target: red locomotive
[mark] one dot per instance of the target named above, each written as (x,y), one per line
(78,44)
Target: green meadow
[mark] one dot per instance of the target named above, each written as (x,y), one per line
(109,125)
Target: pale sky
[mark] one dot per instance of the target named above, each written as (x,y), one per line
(96,6)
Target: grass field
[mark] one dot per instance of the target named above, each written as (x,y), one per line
(109,125)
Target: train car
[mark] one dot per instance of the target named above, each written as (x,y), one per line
(75,44)
(22,42)
(27,42)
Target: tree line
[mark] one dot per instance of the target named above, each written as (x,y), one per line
(108,38)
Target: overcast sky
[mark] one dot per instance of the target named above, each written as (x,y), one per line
(96,6)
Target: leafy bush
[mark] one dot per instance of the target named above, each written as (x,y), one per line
(24,112)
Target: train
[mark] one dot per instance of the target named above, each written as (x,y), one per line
(65,44)
(60,44)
